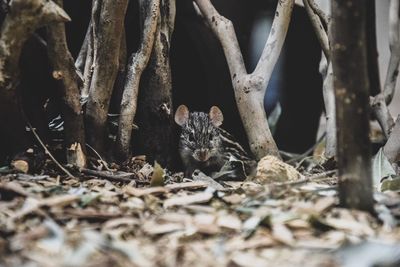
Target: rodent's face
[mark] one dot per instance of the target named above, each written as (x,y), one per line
(200,137)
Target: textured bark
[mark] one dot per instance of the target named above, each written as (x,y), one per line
(107,37)
(250,88)
(330,112)
(67,81)
(155,114)
(318,17)
(318,26)
(392,146)
(138,62)
(349,62)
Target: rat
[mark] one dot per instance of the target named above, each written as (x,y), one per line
(203,145)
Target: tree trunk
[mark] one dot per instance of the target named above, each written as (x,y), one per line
(65,74)
(107,37)
(155,114)
(150,11)
(349,62)
(23,18)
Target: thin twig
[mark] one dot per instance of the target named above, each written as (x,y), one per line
(125,178)
(49,153)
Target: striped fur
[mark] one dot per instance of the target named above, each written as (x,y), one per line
(206,147)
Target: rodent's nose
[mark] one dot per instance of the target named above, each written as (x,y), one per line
(202,154)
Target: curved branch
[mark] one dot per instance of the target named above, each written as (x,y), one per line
(325,19)
(137,64)
(318,27)
(275,41)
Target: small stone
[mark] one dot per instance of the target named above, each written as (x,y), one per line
(20,165)
(271,169)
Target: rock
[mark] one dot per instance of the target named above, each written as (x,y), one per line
(270,169)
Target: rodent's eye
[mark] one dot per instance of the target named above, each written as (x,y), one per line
(191,137)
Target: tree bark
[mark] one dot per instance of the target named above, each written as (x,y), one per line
(67,79)
(137,64)
(155,114)
(250,88)
(107,37)
(349,62)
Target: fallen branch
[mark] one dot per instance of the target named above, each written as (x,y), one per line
(49,153)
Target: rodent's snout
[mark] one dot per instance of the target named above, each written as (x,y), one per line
(201,154)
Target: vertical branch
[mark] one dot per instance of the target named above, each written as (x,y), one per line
(64,72)
(352,91)
(250,88)
(394,45)
(392,146)
(88,64)
(107,38)
(137,64)
(318,27)
(380,102)
(330,112)
(155,115)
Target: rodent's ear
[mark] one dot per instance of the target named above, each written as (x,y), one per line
(216,116)
(181,115)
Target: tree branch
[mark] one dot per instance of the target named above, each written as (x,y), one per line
(137,64)
(250,88)
(380,102)
(107,37)
(392,146)
(274,44)
(318,27)
(394,44)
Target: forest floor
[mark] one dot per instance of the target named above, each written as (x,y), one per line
(125,219)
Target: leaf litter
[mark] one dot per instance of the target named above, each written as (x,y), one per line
(143,215)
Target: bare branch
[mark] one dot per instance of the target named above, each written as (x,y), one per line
(330,112)
(250,88)
(276,38)
(107,37)
(380,102)
(318,27)
(137,64)
(394,43)
(392,146)
(325,19)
